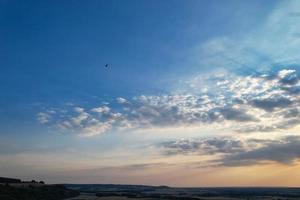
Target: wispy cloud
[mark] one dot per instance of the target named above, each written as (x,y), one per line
(274,43)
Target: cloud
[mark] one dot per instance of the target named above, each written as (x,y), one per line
(229,151)
(202,146)
(82,115)
(288,76)
(270,103)
(43,118)
(285,151)
(241,103)
(181,146)
(103,109)
(121,100)
(237,115)
(87,122)
(79,109)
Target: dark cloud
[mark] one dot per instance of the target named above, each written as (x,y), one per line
(285,151)
(293,90)
(222,145)
(180,147)
(290,77)
(288,123)
(203,146)
(269,104)
(236,115)
(294,112)
(285,123)
(256,128)
(235,152)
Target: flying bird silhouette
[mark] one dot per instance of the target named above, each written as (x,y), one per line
(106,65)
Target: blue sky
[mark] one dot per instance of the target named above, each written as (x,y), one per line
(181,74)
(54,52)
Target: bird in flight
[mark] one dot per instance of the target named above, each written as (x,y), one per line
(106,65)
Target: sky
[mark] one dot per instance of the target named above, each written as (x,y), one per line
(196,93)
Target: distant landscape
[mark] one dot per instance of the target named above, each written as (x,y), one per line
(123,192)
(15,189)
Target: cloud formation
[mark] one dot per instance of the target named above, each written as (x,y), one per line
(207,146)
(285,151)
(238,152)
(242,103)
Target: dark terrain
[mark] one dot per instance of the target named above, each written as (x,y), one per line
(116,192)
(15,189)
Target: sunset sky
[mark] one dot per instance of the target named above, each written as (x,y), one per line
(196,92)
